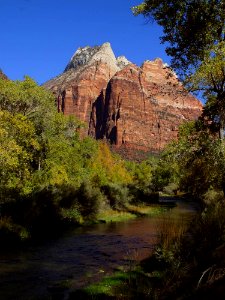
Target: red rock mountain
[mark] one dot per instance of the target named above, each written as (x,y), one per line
(132,107)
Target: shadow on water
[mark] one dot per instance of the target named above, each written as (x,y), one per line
(80,257)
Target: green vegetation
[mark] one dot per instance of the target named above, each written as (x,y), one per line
(189,261)
(191,264)
(130,212)
(194,32)
(52,178)
(108,288)
(190,28)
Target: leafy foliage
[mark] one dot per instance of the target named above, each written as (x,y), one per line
(195,32)
(107,167)
(210,79)
(190,27)
(142,188)
(25,97)
(18,147)
(196,162)
(50,176)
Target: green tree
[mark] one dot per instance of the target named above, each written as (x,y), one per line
(106,167)
(25,97)
(18,147)
(189,26)
(197,160)
(195,33)
(30,100)
(210,79)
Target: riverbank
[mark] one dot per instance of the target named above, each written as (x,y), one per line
(81,256)
(138,280)
(187,263)
(130,212)
(16,235)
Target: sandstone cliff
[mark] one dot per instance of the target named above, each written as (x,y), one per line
(133,107)
(84,80)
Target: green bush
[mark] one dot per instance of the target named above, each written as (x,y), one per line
(72,215)
(11,232)
(117,195)
(89,199)
(171,189)
(143,195)
(213,196)
(78,204)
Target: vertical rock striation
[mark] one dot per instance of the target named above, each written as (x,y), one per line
(146,105)
(81,88)
(133,107)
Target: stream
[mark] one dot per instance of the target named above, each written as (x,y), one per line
(81,256)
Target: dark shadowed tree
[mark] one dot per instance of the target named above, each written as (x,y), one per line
(190,27)
(195,34)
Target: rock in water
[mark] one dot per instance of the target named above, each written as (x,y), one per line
(136,108)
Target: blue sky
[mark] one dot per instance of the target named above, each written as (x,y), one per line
(38,37)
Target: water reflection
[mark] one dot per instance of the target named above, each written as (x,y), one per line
(81,256)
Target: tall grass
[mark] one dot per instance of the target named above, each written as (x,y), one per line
(170,231)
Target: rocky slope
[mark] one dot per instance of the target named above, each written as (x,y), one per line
(133,107)
(84,80)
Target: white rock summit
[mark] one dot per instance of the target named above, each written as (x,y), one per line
(134,108)
(88,55)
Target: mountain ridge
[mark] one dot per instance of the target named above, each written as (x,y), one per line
(130,106)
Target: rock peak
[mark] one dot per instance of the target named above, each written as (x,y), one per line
(134,108)
(122,61)
(88,55)
(81,57)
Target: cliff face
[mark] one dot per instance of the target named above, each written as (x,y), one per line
(146,106)
(133,107)
(84,81)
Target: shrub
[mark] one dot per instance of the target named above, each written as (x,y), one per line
(117,195)
(171,189)
(11,232)
(89,198)
(72,215)
(80,203)
(143,194)
(213,196)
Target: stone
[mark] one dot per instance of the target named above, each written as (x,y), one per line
(146,105)
(80,87)
(134,108)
